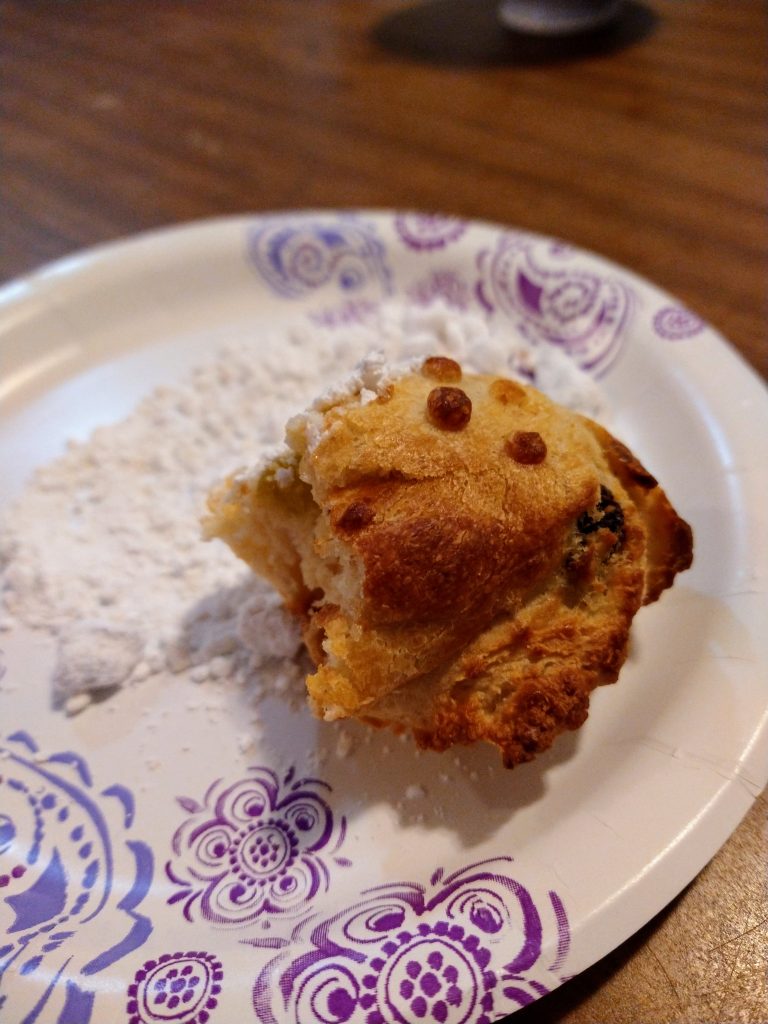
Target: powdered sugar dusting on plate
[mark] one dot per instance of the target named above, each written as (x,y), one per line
(102,551)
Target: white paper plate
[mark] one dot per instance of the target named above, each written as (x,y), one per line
(135,839)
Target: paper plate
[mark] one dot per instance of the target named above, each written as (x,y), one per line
(154,869)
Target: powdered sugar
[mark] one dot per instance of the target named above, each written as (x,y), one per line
(264,627)
(102,551)
(370,379)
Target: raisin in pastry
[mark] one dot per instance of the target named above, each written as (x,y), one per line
(465,555)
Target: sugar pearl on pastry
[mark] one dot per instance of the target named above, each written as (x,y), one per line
(508,392)
(441,368)
(449,408)
(527,447)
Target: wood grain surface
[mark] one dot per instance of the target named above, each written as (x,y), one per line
(644,142)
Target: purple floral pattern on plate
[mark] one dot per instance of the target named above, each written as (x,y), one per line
(254,849)
(442,286)
(298,257)
(425,232)
(675,323)
(360,311)
(179,987)
(544,287)
(63,918)
(466,950)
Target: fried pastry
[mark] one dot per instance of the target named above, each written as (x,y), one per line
(466,556)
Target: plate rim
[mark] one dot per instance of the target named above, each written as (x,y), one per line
(703,838)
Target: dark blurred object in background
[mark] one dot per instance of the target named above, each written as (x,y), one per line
(471,32)
(558,17)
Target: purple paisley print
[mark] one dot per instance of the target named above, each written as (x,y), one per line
(468,949)
(442,285)
(425,232)
(254,849)
(346,314)
(300,257)
(179,987)
(537,285)
(675,323)
(71,880)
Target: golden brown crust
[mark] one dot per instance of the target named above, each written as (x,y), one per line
(669,545)
(462,583)
(427,569)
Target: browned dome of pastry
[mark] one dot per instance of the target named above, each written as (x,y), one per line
(465,579)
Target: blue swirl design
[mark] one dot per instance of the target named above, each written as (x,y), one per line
(62,917)
(466,950)
(298,257)
(255,849)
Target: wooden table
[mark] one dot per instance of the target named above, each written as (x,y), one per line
(644,142)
